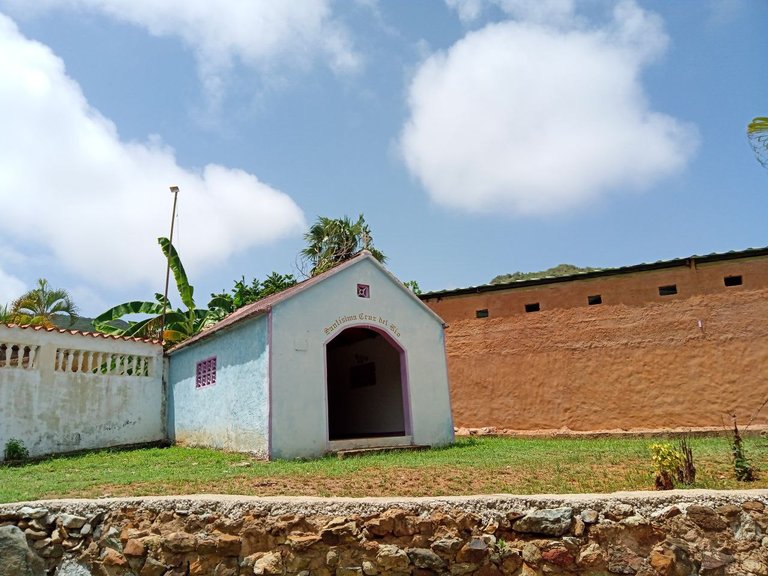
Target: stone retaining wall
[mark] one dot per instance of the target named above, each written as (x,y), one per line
(672,534)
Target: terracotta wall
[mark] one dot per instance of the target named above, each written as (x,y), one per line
(638,361)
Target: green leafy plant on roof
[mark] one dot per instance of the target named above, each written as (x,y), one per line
(242,293)
(331,241)
(559,270)
(179,324)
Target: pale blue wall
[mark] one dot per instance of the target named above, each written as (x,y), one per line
(233,414)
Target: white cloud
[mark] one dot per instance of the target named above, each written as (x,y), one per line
(539,11)
(70,184)
(266,34)
(524,118)
(10,288)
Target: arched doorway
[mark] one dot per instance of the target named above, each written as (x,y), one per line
(365,379)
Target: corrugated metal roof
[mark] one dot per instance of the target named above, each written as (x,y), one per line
(660,264)
(82,333)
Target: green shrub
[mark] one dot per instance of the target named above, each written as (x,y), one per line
(667,460)
(15,451)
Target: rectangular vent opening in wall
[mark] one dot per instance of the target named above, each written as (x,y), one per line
(732,281)
(205,374)
(593,300)
(481,313)
(668,290)
(363,291)
(534,307)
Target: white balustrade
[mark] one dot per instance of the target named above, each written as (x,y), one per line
(19,356)
(101,363)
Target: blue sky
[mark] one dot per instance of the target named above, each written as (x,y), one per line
(478,137)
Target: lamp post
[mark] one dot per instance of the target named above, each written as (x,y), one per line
(175,192)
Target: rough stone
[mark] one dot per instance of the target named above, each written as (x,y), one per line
(17,558)
(180,542)
(369,568)
(462,568)
(390,557)
(153,567)
(589,516)
(111,557)
(72,521)
(753,506)
(446,546)
(425,558)
(705,518)
(747,529)
(531,553)
(559,556)
(30,512)
(70,567)
(473,552)
(619,511)
(270,564)
(552,521)
(349,571)
(302,541)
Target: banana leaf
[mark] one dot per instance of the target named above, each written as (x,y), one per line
(182,283)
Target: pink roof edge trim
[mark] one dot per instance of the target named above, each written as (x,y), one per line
(83,333)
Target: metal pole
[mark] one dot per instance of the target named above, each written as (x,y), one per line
(175,192)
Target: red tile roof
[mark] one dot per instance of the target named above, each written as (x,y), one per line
(82,333)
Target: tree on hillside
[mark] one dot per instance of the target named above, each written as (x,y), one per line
(331,241)
(757,132)
(559,270)
(42,305)
(179,324)
(241,294)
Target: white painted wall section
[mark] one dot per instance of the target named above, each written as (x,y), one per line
(62,392)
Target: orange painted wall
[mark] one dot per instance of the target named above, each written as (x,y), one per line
(637,361)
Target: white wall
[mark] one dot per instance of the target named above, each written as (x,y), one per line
(76,392)
(304,323)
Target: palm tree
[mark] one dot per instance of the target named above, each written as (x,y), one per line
(757,132)
(331,241)
(41,305)
(5,314)
(178,324)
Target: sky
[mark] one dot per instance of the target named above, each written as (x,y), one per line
(478,137)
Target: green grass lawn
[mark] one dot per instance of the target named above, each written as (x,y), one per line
(476,465)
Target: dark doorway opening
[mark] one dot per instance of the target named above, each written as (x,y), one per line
(365,386)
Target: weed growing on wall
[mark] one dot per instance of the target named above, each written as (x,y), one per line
(15,451)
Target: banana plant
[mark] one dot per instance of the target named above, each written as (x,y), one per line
(179,324)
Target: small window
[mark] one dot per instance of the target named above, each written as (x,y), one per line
(532,307)
(596,299)
(481,313)
(668,290)
(363,291)
(205,375)
(732,281)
